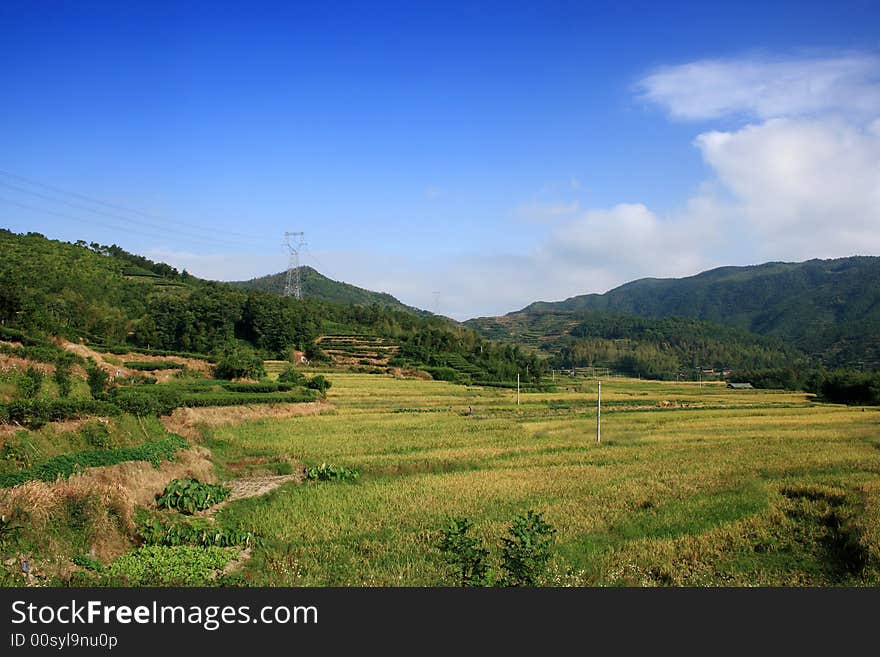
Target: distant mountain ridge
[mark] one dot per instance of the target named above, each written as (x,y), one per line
(829,309)
(317,286)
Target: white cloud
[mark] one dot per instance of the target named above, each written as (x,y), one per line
(766,87)
(804,187)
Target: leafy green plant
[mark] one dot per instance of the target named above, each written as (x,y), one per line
(66,464)
(29,383)
(467,556)
(326,472)
(525,552)
(153,530)
(191,495)
(159,565)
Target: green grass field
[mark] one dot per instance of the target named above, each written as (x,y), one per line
(690,485)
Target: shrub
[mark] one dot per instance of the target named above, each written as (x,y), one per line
(466,555)
(96,434)
(290,375)
(147,400)
(190,495)
(62,377)
(326,472)
(96,378)
(526,551)
(29,383)
(34,413)
(319,383)
(239,362)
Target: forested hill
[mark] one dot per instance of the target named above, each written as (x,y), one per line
(106,295)
(829,309)
(317,286)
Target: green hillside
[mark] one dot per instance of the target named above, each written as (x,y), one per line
(317,286)
(105,295)
(828,308)
(655,348)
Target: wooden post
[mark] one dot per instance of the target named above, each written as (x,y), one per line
(517,388)
(599,414)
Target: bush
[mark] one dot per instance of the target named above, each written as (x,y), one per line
(147,400)
(190,495)
(239,362)
(319,383)
(96,378)
(29,383)
(526,551)
(62,377)
(34,413)
(96,434)
(466,555)
(290,375)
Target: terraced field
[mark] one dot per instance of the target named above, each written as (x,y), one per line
(689,486)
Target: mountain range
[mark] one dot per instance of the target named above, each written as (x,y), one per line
(829,309)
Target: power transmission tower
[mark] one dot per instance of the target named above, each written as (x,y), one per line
(292,282)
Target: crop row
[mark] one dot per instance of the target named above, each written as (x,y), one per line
(67,464)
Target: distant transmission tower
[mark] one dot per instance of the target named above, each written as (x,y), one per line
(292,282)
(436,303)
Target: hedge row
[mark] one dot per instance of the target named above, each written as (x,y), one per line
(36,412)
(243,399)
(269,386)
(67,464)
(121,351)
(149,366)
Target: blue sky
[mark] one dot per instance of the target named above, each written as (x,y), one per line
(496,153)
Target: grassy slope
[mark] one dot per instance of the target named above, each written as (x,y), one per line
(737,488)
(830,307)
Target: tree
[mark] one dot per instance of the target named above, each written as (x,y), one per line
(239,361)
(96,378)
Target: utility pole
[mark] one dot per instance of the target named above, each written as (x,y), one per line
(292,281)
(599,414)
(517,388)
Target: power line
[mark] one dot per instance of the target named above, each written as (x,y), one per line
(77,206)
(90,221)
(114,206)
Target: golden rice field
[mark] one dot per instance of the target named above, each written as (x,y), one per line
(691,485)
